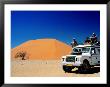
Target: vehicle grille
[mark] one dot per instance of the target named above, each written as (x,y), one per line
(70,59)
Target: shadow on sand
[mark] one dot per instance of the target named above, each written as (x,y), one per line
(90,71)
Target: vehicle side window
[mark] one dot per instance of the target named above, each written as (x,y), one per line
(93,51)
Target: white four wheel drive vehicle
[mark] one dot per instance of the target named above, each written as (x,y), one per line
(83,57)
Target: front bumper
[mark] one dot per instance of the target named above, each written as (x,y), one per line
(72,64)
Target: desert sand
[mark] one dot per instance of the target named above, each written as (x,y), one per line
(40,68)
(43,59)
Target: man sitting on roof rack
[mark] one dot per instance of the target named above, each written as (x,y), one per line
(74,43)
(87,41)
(93,38)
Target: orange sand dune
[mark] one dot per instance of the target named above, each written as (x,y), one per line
(43,49)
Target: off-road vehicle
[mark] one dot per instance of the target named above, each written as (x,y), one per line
(82,57)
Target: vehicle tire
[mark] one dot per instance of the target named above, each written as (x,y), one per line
(80,69)
(67,69)
(85,68)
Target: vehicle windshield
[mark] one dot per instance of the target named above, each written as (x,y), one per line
(77,51)
(85,50)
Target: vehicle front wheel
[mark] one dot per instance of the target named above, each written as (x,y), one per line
(85,67)
(67,68)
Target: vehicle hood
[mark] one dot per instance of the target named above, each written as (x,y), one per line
(71,56)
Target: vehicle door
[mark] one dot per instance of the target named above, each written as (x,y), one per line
(94,56)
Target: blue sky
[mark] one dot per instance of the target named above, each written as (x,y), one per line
(60,25)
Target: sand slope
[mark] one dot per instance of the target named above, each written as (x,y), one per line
(43,49)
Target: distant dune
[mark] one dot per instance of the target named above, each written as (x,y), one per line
(42,49)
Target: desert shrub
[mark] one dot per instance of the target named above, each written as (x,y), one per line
(22,55)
